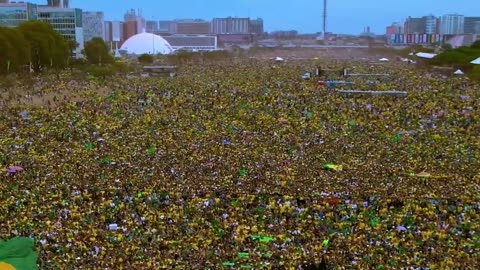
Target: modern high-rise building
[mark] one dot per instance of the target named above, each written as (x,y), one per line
(151,26)
(93,25)
(113,31)
(452,24)
(166,27)
(477,27)
(13,14)
(117,31)
(430,24)
(256,26)
(394,29)
(113,34)
(130,29)
(415,25)
(231,25)
(196,27)
(219,26)
(59,3)
(133,16)
(67,21)
(470,25)
(107,31)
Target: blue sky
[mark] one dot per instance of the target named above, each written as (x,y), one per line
(345,16)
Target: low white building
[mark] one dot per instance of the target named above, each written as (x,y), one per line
(193,42)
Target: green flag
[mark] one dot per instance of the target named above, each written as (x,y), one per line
(332,167)
(397,138)
(89,146)
(228,264)
(374,221)
(151,151)
(106,160)
(243,255)
(18,254)
(262,238)
(326,243)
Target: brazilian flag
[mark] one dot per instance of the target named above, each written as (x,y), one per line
(18,254)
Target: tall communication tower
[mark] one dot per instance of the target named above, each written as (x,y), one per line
(324,17)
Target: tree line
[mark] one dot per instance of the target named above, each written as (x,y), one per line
(462,55)
(460,58)
(36,45)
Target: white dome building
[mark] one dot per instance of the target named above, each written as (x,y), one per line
(146,43)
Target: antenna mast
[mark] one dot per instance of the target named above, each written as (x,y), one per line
(324,17)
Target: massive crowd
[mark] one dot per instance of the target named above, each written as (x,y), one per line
(223,168)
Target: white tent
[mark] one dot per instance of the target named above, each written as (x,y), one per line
(426,55)
(384,60)
(476,61)
(279,59)
(458,72)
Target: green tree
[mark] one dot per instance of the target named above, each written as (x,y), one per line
(14,49)
(145,58)
(7,52)
(47,47)
(476,45)
(447,46)
(101,72)
(121,67)
(475,73)
(450,57)
(97,52)
(420,48)
(71,45)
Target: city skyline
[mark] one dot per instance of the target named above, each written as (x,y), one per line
(344,16)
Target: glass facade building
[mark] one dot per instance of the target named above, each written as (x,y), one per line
(452,24)
(62,20)
(230,25)
(58,3)
(13,14)
(66,21)
(471,25)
